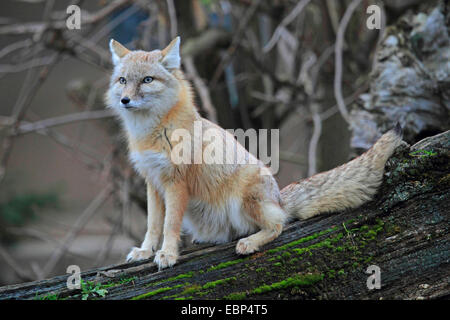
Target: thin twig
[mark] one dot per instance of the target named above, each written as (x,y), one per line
(91,158)
(202,89)
(350,99)
(234,42)
(26,96)
(37,62)
(120,18)
(39,27)
(62,120)
(172,18)
(15,46)
(312,150)
(284,23)
(338,59)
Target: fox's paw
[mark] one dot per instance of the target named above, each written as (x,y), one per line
(137,254)
(165,259)
(246,246)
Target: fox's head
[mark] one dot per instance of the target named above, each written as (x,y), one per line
(144,81)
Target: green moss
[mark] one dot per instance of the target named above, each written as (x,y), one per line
(226,264)
(178,277)
(213,284)
(236,296)
(293,260)
(155,292)
(350,221)
(364,228)
(337,237)
(341,272)
(299,280)
(51,296)
(121,281)
(423,153)
(182,276)
(301,240)
(277,264)
(371,233)
(261,269)
(324,243)
(197,289)
(191,289)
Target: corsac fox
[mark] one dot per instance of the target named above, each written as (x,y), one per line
(216,202)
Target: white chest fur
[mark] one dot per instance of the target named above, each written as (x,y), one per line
(152,165)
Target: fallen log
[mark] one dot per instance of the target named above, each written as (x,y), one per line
(404,233)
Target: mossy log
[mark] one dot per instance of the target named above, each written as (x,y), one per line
(404,231)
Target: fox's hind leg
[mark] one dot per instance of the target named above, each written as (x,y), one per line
(270,217)
(155,222)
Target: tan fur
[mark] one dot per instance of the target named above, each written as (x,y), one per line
(347,186)
(215,202)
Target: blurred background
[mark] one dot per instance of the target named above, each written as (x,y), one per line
(67,192)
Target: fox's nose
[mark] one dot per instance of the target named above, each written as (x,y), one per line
(125,100)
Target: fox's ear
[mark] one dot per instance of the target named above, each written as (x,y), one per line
(171,54)
(117,50)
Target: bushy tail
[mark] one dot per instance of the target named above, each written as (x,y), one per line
(344,187)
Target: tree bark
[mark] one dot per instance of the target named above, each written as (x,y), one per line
(404,231)
(410,80)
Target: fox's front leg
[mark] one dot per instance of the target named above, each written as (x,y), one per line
(176,200)
(155,222)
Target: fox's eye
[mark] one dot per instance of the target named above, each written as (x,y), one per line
(122,80)
(147,79)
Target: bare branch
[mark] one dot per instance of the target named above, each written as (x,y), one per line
(37,62)
(39,27)
(201,87)
(235,42)
(284,23)
(62,120)
(312,150)
(338,59)
(26,96)
(173,18)
(15,46)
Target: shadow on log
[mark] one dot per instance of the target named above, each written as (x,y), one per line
(404,231)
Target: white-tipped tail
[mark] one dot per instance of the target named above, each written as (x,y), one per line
(344,187)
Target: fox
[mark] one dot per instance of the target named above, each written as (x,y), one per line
(216,203)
